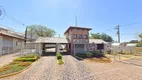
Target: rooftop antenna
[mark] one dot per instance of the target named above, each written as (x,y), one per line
(76,20)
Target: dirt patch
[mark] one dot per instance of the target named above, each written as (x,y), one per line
(99,60)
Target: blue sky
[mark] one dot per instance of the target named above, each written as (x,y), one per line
(100,15)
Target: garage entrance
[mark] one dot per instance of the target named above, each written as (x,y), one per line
(52,48)
(79,48)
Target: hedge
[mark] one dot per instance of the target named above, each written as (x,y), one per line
(25,59)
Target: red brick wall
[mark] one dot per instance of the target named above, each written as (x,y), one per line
(75,31)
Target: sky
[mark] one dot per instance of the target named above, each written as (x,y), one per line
(100,15)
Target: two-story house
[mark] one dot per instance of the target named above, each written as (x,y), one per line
(78,38)
(76,41)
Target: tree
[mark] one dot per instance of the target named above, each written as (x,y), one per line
(103,36)
(139,44)
(34,31)
(140,35)
(134,41)
(106,37)
(96,35)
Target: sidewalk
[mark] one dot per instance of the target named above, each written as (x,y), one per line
(5,59)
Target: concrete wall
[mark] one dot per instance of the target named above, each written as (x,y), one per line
(1,42)
(15,47)
(30,46)
(39,48)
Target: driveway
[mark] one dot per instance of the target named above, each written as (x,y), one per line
(46,68)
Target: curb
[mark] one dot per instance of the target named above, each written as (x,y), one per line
(14,73)
(78,57)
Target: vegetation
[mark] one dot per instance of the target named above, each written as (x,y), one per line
(98,54)
(95,53)
(139,49)
(59,58)
(34,31)
(89,54)
(100,60)
(139,44)
(134,41)
(29,57)
(103,36)
(81,55)
(109,52)
(18,64)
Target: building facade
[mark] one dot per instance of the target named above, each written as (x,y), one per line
(76,41)
(78,38)
(10,42)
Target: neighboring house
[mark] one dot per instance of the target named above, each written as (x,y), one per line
(76,41)
(10,41)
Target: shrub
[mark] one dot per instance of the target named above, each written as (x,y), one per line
(59,56)
(15,62)
(109,52)
(82,55)
(97,53)
(89,54)
(30,56)
(25,59)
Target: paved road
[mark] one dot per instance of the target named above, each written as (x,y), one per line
(115,71)
(137,62)
(47,69)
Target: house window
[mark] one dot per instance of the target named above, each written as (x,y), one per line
(84,36)
(74,36)
(80,36)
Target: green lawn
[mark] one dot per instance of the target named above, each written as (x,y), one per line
(18,64)
(10,68)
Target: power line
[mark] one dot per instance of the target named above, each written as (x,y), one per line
(3,14)
(15,20)
(131,24)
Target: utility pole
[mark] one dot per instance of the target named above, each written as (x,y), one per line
(118,32)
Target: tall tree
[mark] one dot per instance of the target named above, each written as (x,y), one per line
(140,36)
(34,31)
(139,44)
(96,35)
(106,37)
(103,36)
